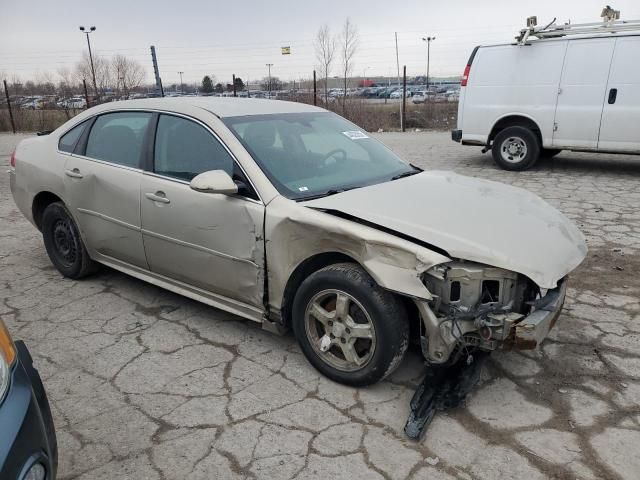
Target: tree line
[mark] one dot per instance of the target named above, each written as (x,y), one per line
(118,73)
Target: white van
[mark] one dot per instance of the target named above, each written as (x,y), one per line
(540,96)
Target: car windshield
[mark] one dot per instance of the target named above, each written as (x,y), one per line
(309,155)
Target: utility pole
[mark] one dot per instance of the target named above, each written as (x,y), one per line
(6,92)
(315,90)
(124,87)
(428,40)
(86,94)
(93,71)
(181,84)
(269,65)
(156,71)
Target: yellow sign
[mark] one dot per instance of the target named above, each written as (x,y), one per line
(286,50)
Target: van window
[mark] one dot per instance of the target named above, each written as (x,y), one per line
(68,141)
(118,138)
(185,149)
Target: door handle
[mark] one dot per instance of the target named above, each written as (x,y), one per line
(157,197)
(75,173)
(613,94)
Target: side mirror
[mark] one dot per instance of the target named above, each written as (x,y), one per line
(214,181)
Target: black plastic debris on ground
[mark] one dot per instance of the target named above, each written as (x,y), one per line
(443,387)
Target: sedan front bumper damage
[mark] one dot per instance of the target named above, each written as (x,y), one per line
(446,386)
(534,328)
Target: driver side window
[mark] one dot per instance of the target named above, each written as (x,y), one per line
(184,149)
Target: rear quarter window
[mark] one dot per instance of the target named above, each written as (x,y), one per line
(68,141)
(118,138)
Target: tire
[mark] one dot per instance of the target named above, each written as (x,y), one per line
(550,152)
(368,309)
(63,242)
(516,148)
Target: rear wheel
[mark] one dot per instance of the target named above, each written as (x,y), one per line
(348,327)
(515,148)
(63,242)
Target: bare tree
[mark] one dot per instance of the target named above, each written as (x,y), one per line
(126,72)
(101,66)
(67,81)
(325,46)
(348,48)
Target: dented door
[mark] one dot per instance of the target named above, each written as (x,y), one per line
(206,240)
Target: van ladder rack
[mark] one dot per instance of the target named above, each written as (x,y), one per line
(554,31)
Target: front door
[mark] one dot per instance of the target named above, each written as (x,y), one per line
(582,93)
(102,185)
(619,131)
(210,241)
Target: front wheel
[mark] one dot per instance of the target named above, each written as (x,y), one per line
(348,327)
(516,148)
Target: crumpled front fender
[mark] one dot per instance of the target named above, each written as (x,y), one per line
(295,233)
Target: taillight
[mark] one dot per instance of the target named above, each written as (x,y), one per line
(465,75)
(12,162)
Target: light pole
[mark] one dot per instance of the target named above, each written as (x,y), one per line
(93,71)
(181,86)
(428,40)
(269,65)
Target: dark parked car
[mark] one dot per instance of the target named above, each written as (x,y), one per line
(28,447)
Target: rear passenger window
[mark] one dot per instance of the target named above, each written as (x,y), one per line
(68,141)
(185,149)
(118,138)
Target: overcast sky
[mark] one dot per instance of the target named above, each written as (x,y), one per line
(213,37)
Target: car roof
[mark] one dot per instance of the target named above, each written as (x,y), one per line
(222,107)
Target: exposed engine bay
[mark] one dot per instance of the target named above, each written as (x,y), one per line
(474,306)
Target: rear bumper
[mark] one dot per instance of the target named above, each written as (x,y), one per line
(534,328)
(26,426)
(456,135)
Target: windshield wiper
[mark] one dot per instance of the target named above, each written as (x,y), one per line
(405,174)
(328,193)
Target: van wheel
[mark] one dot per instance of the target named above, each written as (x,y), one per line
(550,152)
(515,148)
(349,328)
(63,243)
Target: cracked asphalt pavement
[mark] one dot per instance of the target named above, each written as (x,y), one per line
(145,384)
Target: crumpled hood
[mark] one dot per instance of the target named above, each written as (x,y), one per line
(471,219)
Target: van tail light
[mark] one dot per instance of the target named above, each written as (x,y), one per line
(467,69)
(12,162)
(465,76)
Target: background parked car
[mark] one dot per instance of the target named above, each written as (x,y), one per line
(28,445)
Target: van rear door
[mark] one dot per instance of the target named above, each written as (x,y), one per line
(582,93)
(619,130)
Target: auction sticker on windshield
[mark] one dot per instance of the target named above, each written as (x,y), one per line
(355,134)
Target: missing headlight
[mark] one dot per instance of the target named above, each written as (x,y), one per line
(490,291)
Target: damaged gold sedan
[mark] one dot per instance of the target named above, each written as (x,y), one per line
(289,215)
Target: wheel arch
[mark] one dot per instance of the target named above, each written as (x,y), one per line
(515,120)
(40,202)
(302,271)
(319,261)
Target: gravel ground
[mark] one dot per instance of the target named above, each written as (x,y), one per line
(145,384)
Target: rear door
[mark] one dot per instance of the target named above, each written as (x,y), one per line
(102,183)
(582,93)
(621,113)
